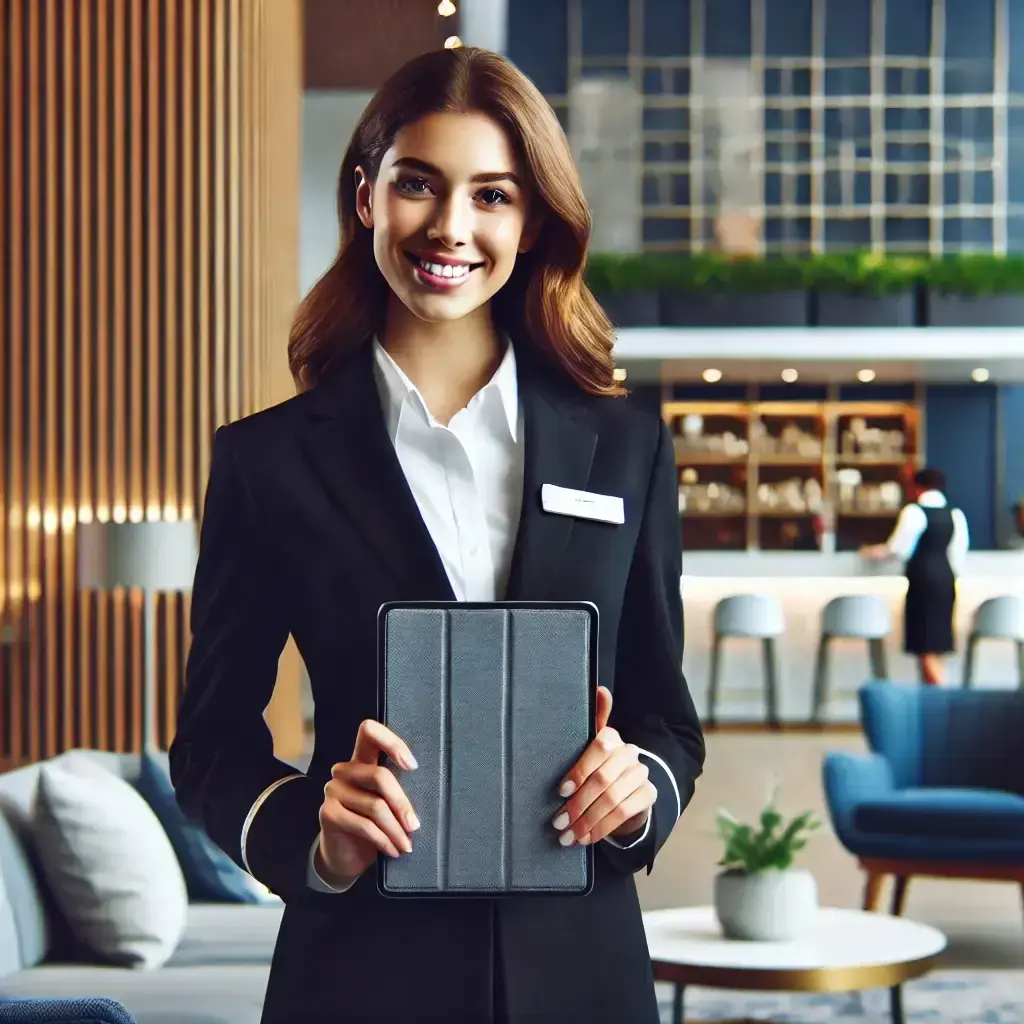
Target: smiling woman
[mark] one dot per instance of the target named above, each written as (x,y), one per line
(459,161)
(458,436)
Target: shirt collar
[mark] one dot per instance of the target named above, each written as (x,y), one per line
(395,388)
(932,499)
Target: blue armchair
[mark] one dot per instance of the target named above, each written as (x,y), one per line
(942,792)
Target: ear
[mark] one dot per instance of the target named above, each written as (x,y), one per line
(364,198)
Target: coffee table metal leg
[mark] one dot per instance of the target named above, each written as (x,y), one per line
(677,1003)
(896,1003)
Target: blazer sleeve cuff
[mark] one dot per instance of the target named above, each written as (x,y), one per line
(611,840)
(285,814)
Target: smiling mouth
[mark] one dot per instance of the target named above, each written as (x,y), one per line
(441,274)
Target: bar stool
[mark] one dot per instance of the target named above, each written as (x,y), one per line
(748,615)
(998,618)
(851,617)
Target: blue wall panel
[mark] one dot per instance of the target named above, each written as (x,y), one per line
(1012,412)
(908,28)
(667,28)
(960,439)
(538,42)
(727,28)
(847,28)
(787,28)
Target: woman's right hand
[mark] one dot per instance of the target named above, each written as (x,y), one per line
(365,811)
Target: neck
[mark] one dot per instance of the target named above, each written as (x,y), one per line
(449,362)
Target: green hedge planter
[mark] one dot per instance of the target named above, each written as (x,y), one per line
(975,291)
(857,289)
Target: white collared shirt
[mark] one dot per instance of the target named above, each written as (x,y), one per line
(912,522)
(466,476)
(467,479)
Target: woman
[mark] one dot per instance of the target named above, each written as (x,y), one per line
(450,363)
(932,540)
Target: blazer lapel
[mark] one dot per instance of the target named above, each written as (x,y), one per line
(559,449)
(349,449)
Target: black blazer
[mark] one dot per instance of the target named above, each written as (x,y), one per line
(309,526)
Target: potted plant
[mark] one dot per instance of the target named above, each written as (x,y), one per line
(975,290)
(865,289)
(627,286)
(714,290)
(759,895)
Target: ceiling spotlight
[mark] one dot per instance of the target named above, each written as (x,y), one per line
(789,375)
(865,376)
(446,8)
(452,43)
(619,373)
(711,375)
(980,375)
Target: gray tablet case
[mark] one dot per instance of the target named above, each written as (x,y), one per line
(496,702)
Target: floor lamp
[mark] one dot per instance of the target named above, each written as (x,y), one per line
(152,557)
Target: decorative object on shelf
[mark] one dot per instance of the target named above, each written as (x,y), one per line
(871,442)
(865,289)
(797,495)
(975,290)
(760,896)
(707,498)
(792,441)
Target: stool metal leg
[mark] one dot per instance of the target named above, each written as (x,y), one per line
(972,642)
(820,678)
(876,654)
(678,1003)
(771,680)
(716,669)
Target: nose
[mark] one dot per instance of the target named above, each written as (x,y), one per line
(452,223)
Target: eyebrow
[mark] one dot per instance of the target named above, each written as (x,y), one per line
(413,163)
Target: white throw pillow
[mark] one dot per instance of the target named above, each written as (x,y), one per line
(112,869)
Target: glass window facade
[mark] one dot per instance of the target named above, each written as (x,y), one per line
(886,123)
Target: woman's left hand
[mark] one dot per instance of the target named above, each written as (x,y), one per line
(608,790)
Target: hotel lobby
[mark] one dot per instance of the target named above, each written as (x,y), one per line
(808,234)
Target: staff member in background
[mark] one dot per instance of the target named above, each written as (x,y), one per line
(932,539)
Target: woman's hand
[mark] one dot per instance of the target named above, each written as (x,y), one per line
(876,552)
(365,811)
(608,788)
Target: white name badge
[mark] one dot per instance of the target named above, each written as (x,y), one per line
(564,501)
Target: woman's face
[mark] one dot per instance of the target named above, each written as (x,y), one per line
(448,212)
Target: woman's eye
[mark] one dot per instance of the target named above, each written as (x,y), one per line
(414,186)
(493,197)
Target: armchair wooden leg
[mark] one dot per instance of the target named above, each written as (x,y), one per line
(872,890)
(899,894)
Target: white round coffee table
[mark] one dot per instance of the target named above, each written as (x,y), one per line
(848,951)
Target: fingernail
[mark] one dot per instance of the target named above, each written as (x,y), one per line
(412,821)
(408,846)
(585,840)
(393,854)
(567,838)
(410,762)
(567,788)
(561,821)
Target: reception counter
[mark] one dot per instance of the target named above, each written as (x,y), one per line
(804,582)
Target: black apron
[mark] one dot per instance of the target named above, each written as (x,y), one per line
(931,588)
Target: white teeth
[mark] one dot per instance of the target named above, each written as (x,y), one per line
(444,269)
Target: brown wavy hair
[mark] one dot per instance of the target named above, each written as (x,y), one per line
(545,300)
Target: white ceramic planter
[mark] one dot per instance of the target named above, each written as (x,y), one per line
(769,906)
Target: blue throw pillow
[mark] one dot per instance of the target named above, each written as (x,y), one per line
(210,874)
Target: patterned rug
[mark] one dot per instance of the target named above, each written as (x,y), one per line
(944,997)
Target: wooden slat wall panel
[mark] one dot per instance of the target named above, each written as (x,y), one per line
(139,197)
